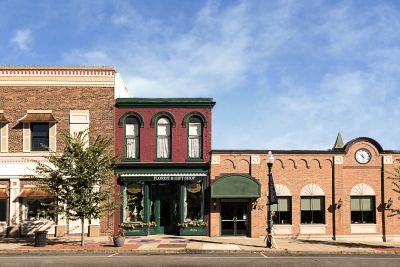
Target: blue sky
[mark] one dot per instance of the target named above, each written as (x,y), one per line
(285,74)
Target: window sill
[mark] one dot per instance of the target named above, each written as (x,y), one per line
(163,160)
(312,228)
(282,229)
(194,160)
(363,228)
(130,160)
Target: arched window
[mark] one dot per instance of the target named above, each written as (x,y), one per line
(362,204)
(131,138)
(163,138)
(283,210)
(195,140)
(312,205)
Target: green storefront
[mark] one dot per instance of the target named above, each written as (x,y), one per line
(163,199)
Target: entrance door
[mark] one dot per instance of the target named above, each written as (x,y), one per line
(234,220)
(165,207)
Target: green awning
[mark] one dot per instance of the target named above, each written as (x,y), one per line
(236,186)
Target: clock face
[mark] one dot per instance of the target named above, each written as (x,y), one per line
(363,156)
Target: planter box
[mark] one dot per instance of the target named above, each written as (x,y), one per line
(140,231)
(193,231)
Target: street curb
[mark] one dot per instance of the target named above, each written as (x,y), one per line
(190,252)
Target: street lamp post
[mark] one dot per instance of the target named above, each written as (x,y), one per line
(270,163)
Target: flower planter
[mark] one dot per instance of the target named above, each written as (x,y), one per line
(119,241)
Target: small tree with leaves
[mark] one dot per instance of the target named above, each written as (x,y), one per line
(396,182)
(80,178)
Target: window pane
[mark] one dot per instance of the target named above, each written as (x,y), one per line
(356,216)
(316,204)
(194,200)
(305,204)
(39,136)
(131,129)
(368,216)
(132,147)
(366,204)
(285,217)
(283,204)
(318,217)
(355,204)
(274,207)
(306,217)
(134,202)
(194,129)
(3,210)
(163,147)
(194,147)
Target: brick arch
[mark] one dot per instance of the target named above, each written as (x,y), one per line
(227,163)
(305,163)
(243,166)
(290,161)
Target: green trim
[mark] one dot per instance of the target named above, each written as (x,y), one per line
(197,114)
(162,167)
(165,102)
(236,186)
(160,114)
(131,114)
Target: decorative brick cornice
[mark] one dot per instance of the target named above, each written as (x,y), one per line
(56,76)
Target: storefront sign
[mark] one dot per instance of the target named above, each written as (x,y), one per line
(163,178)
(174,178)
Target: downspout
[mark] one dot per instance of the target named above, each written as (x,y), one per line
(333,201)
(383,206)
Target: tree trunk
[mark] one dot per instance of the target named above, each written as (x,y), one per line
(83,232)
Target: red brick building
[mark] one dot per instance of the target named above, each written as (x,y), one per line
(36,104)
(341,193)
(164,147)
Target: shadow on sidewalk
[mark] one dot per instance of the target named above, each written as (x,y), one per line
(225,243)
(343,244)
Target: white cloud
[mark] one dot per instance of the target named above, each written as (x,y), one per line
(22,39)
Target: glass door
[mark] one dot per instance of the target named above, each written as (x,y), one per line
(234,218)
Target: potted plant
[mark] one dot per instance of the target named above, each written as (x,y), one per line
(119,238)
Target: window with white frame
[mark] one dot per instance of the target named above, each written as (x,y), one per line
(195,138)
(79,122)
(163,138)
(39,136)
(131,138)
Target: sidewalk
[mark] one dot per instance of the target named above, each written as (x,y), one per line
(161,244)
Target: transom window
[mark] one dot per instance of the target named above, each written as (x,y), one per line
(163,138)
(282,211)
(39,136)
(362,209)
(312,210)
(195,138)
(131,138)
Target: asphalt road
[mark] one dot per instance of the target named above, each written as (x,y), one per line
(220,260)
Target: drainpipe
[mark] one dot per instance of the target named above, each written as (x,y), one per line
(333,201)
(383,206)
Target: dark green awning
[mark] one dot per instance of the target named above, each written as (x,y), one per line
(236,186)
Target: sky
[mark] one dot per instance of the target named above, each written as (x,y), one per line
(285,74)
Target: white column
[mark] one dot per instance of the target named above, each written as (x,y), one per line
(14,219)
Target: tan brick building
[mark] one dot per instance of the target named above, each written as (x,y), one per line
(36,104)
(341,193)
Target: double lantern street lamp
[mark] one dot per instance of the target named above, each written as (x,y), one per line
(271,199)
